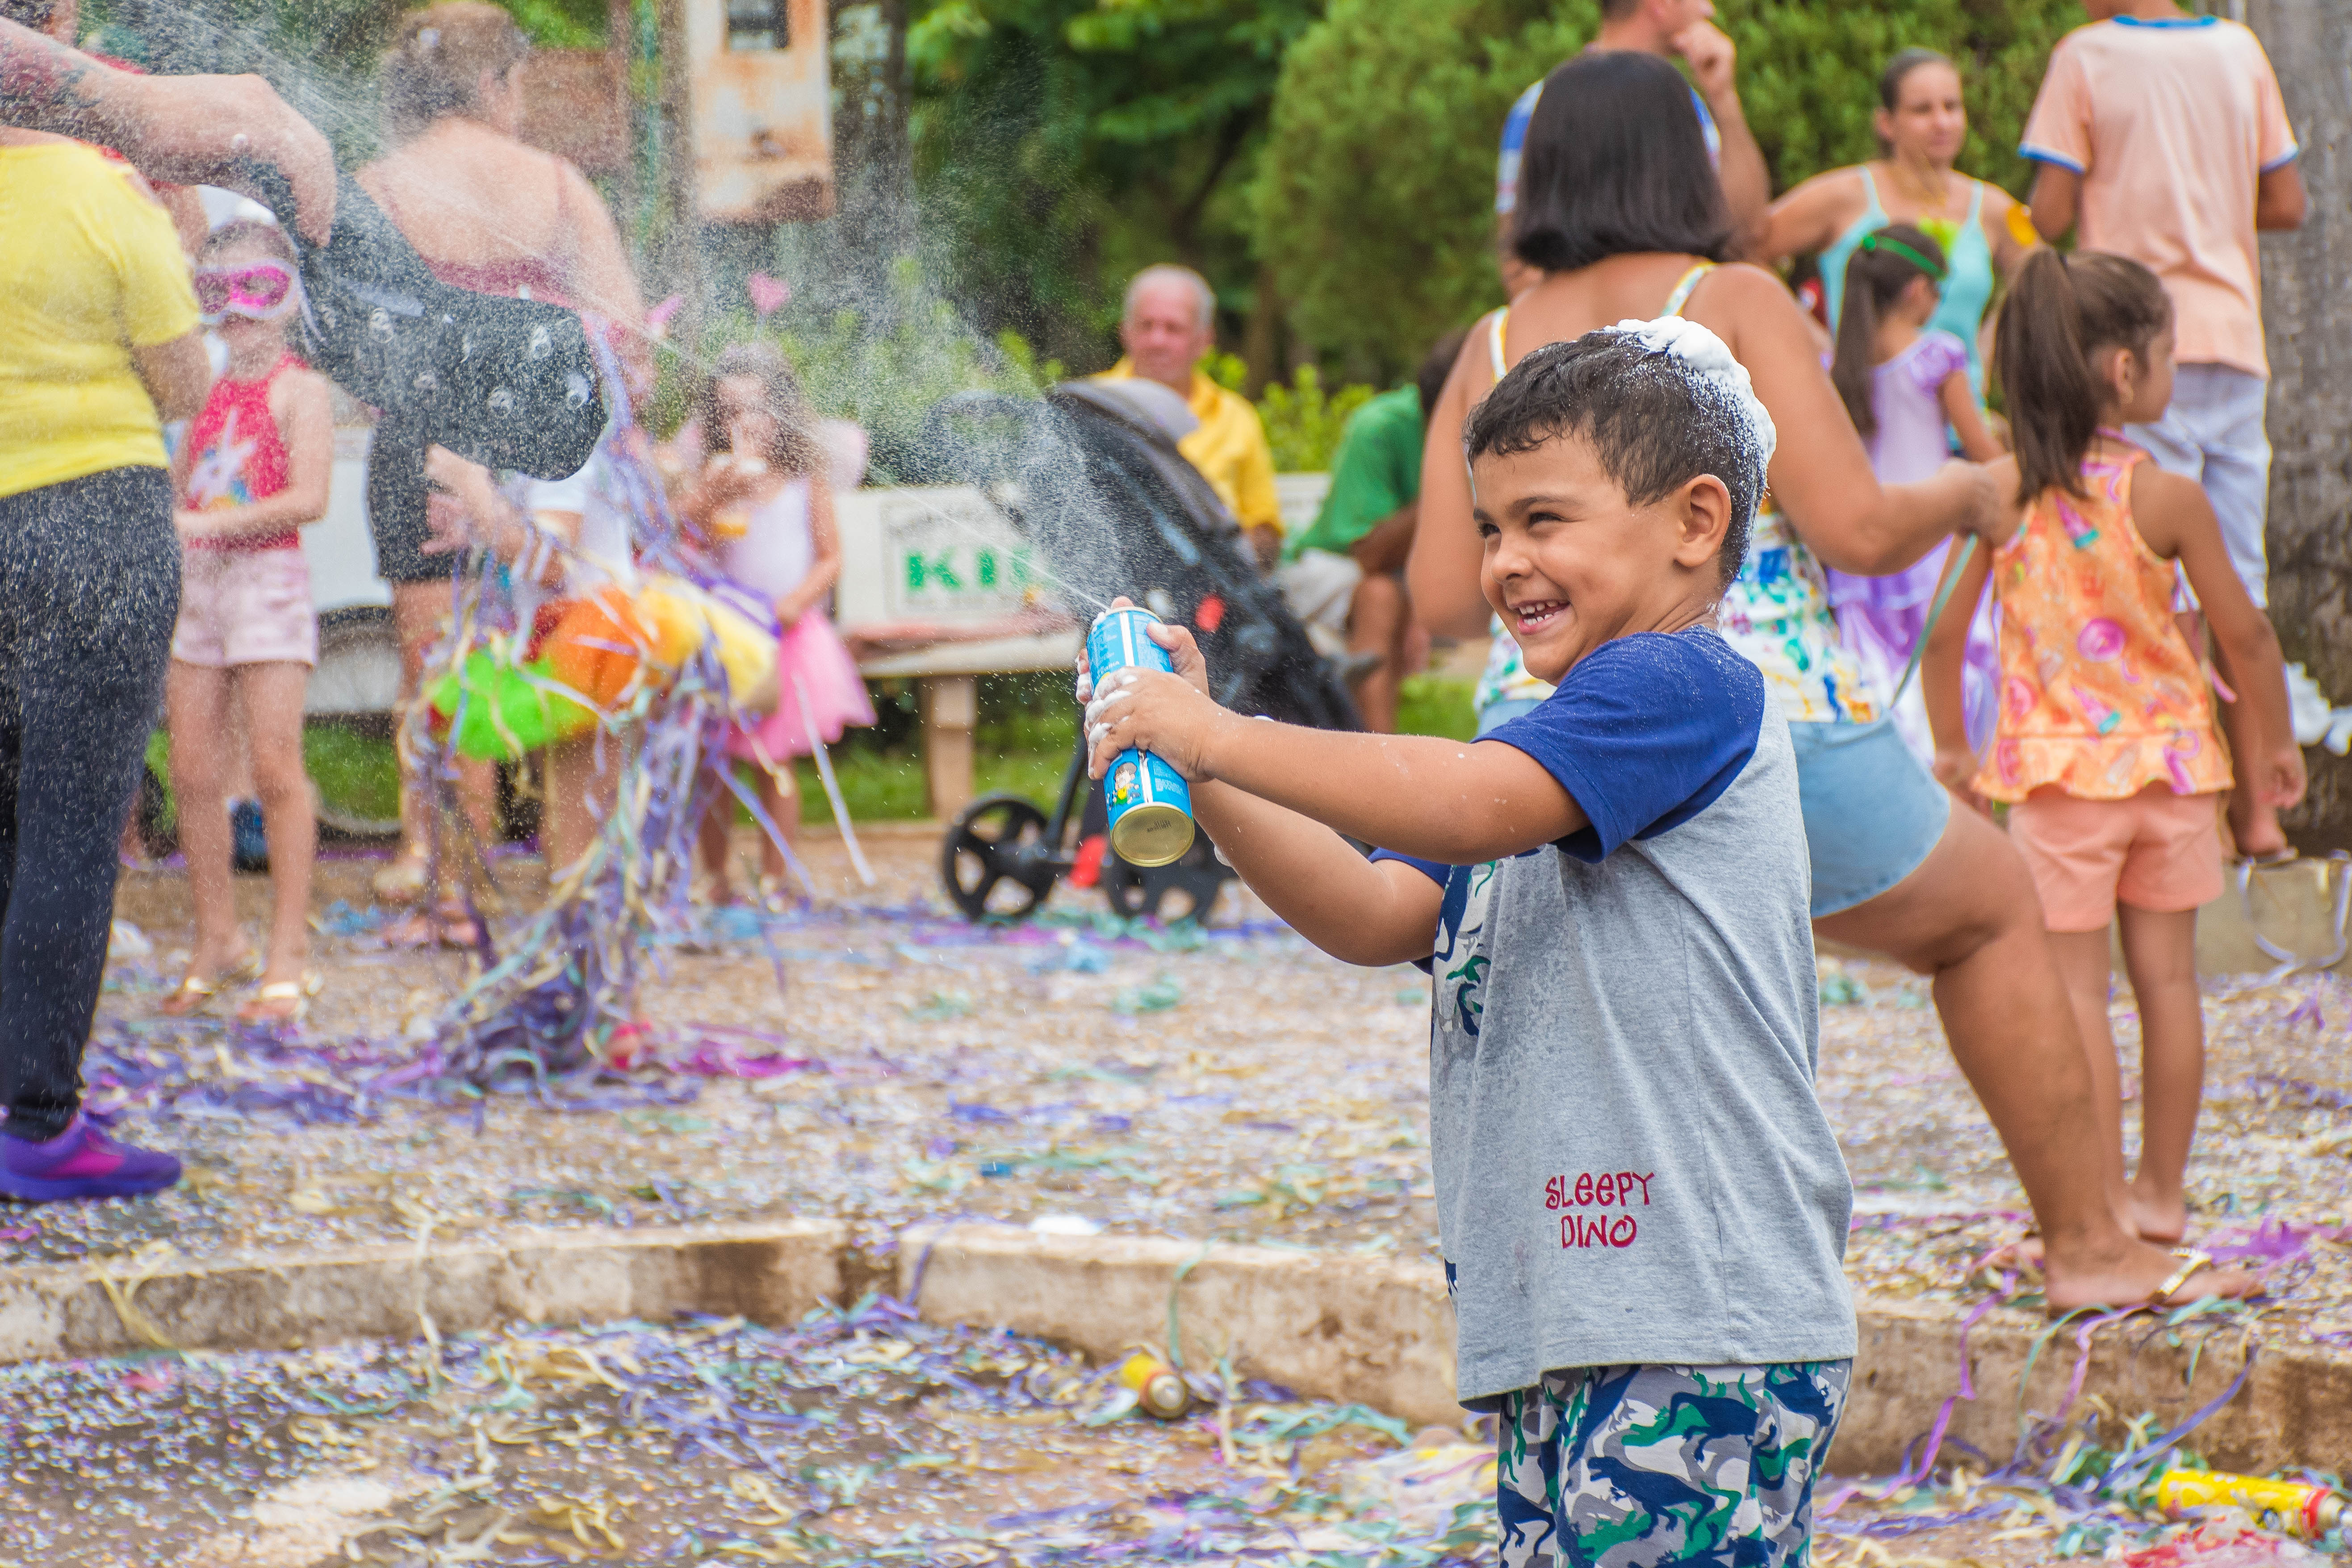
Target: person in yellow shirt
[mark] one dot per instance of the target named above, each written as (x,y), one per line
(1169,325)
(99,344)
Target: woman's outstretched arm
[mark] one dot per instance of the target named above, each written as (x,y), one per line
(1821,476)
(194,129)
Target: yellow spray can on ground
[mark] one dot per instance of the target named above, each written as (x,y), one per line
(1159,1388)
(2293,1508)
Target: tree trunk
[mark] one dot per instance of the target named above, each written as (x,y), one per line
(2307,282)
(874,170)
(1259,337)
(679,265)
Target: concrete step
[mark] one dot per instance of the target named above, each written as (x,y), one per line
(1331,1326)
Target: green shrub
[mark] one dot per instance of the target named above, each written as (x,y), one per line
(1375,199)
(1303,422)
(1438,705)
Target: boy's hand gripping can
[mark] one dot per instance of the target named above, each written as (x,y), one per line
(1150,808)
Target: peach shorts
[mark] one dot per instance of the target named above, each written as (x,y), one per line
(2157,851)
(245,607)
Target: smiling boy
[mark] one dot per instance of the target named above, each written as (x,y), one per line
(1643,1207)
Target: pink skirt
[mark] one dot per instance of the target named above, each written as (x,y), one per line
(811,657)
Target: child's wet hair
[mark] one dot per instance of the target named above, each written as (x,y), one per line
(1654,421)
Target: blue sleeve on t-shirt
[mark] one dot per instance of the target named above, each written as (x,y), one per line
(1644,734)
(1453,881)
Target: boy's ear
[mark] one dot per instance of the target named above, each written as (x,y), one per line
(1704,514)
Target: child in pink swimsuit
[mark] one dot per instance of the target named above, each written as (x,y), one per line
(2106,747)
(253,470)
(762,507)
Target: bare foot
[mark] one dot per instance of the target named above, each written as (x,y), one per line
(2132,1277)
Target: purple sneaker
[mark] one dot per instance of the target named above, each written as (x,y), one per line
(82,1161)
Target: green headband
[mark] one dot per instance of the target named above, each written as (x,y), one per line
(1881,242)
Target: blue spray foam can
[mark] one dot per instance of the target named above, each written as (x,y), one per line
(1150,808)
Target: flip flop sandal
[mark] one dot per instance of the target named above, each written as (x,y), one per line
(193,997)
(263,1006)
(196,994)
(2193,1263)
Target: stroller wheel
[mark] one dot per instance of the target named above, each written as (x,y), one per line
(996,861)
(1184,890)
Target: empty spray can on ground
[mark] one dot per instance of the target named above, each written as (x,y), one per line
(1159,1388)
(1151,807)
(2300,1508)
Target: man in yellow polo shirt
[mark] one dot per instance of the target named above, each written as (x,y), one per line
(1170,323)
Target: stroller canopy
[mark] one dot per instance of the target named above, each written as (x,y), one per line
(1093,477)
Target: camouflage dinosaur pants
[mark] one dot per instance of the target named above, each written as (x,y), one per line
(1636,1467)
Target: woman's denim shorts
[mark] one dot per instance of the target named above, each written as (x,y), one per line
(1872,811)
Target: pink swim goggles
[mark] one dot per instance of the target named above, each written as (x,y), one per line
(258,290)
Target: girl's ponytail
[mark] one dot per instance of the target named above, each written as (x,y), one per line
(1881,268)
(2045,368)
(2060,312)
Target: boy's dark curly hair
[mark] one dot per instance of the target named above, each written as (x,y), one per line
(1653,422)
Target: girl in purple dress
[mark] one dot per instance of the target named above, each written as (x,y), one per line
(1906,385)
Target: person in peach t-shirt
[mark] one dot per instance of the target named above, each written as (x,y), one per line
(2164,135)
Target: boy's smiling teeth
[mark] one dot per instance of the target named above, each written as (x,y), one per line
(1537,612)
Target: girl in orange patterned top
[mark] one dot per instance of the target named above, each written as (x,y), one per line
(2106,748)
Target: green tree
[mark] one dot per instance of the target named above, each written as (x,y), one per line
(1374,197)
(1809,74)
(1060,144)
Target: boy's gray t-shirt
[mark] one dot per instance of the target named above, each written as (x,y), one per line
(1632,1165)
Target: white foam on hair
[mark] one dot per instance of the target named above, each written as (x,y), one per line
(1709,359)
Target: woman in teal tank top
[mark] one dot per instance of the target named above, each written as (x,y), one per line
(1922,123)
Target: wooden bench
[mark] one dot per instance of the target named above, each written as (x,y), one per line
(937,585)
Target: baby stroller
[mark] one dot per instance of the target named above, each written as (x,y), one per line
(1092,475)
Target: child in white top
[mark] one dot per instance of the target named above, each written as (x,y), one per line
(253,470)
(761,510)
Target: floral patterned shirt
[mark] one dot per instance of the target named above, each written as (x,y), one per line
(1777,612)
(2100,694)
